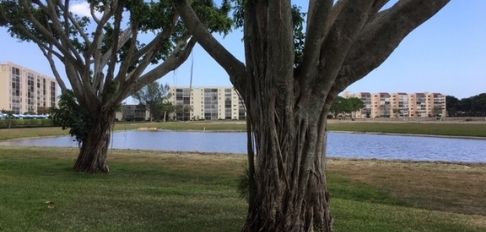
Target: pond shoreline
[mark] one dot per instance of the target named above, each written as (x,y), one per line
(243,155)
(333,131)
(341,144)
(243,131)
(414,135)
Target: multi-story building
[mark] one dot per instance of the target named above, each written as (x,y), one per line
(207,104)
(400,105)
(418,105)
(435,105)
(23,90)
(381,105)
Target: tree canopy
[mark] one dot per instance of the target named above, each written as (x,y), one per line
(106,54)
(156,97)
(109,55)
(474,106)
(346,105)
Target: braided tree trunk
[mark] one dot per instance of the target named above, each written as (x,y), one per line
(94,148)
(288,190)
(288,85)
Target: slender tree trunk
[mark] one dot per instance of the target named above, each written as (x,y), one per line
(94,148)
(288,190)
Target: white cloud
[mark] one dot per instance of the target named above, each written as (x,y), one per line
(81,8)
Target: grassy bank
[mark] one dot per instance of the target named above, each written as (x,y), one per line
(53,131)
(446,129)
(150,191)
(426,128)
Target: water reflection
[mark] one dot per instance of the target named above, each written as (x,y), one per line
(346,145)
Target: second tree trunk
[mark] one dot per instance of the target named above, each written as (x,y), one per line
(94,148)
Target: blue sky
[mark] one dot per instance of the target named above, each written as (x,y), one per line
(446,54)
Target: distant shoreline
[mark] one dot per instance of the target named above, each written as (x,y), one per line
(242,131)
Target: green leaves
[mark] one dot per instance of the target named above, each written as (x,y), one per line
(346,105)
(156,98)
(299,35)
(71,115)
(216,18)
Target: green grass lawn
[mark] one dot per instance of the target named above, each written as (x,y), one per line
(152,191)
(447,129)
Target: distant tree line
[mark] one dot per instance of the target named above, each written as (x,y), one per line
(155,97)
(474,106)
(346,105)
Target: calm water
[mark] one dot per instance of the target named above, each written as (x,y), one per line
(339,145)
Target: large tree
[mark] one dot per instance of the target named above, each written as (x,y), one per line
(346,105)
(107,56)
(155,97)
(289,81)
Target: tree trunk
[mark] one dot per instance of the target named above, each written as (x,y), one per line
(288,88)
(94,148)
(288,190)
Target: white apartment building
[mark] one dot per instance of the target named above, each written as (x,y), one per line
(23,90)
(207,104)
(400,105)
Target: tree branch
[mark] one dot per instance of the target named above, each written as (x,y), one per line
(318,15)
(180,54)
(178,57)
(235,68)
(48,55)
(382,35)
(377,5)
(338,41)
(48,34)
(98,33)
(75,23)
(100,58)
(157,41)
(129,58)
(122,40)
(63,35)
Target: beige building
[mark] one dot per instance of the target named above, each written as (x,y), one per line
(381,105)
(207,104)
(400,105)
(23,90)
(435,105)
(418,105)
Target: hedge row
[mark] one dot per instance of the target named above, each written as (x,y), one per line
(24,123)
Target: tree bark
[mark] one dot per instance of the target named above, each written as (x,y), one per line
(94,148)
(288,190)
(288,102)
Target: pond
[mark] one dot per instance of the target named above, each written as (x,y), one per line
(345,145)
